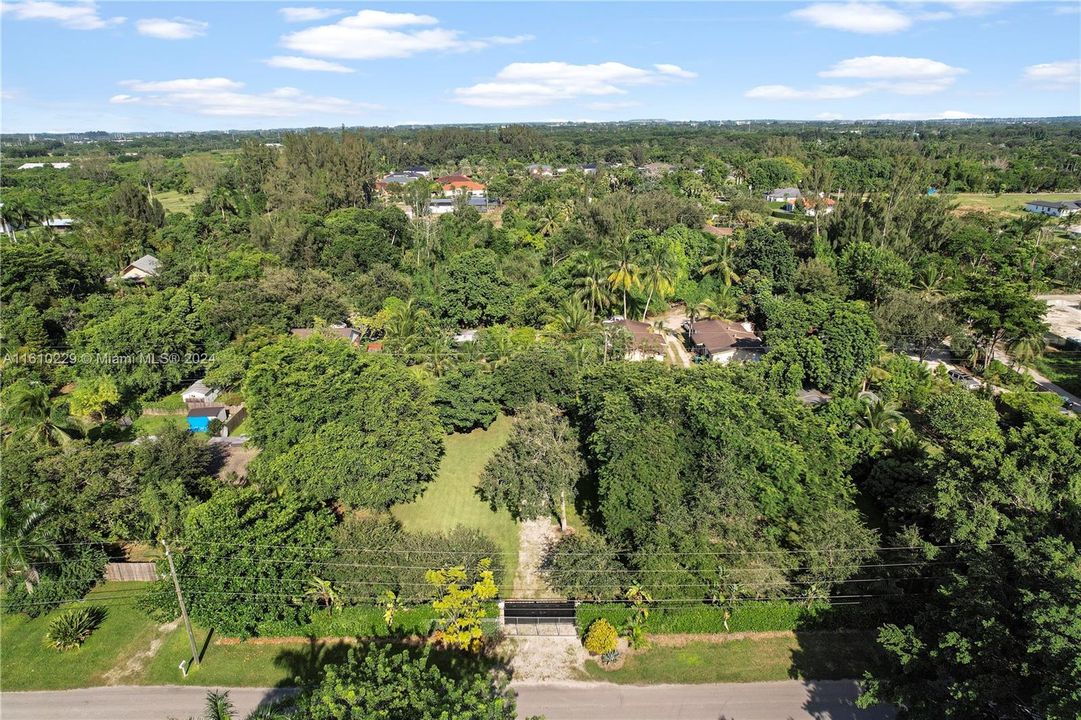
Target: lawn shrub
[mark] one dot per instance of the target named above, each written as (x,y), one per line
(695,619)
(58,583)
(601,638)
(70,629)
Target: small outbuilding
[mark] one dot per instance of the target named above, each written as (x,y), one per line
(199,418)
(141,269)
(199,392)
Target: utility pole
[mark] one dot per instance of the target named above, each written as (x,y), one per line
(183,608)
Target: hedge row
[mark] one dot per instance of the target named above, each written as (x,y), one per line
(700,619)
(750,617)
(365,621)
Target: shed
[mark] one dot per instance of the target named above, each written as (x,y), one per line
(199,392)
(199,418)
(139,270)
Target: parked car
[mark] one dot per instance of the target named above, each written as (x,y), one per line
(965,380)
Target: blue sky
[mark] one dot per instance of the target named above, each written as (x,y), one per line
(200,65)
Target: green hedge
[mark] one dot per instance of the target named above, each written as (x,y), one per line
(700,619)
(365,621)
(752,616)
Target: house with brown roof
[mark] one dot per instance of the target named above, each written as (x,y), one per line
(460,184)
(723,341)
(718,231)
(644,343)
(809,207)
(341,331)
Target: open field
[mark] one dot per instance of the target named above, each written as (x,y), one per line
(177,202)
(27,663)
(451,499)
(1009,203)
(819,656)
(1062,367)
(156,424)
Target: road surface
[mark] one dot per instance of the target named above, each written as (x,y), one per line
(783,700)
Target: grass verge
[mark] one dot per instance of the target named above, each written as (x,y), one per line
(1061,368)
(27,663)
(451,499)
(807,656)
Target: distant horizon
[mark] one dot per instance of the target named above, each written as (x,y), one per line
(566,123)
(156,67)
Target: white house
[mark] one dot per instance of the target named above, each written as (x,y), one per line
(645,344)
(199,392)
(141,269)
(35,166)
(782,194)
(1053,208)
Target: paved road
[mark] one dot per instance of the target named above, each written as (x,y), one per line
(789,699)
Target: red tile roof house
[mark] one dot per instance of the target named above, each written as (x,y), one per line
(718,231)
(808,206)
(723,341)
(645,344)
(460,184)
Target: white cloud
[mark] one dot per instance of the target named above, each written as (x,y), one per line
(74,16)
(901,75)
(374,34)
(1061,75)
(222,97)
(858,17)
(822,92)
(880,73)
(293,62)
(675,71)
(944,115)
(531,84)
(890,67)
(176,29)
(308,14)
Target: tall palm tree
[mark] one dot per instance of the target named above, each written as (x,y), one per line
(24,543)
(33,417)
(404,321)
(438,355)
(929,281)
(658,271)
(878,415)
(592,283)
(719,261)
(623,269)
(722,306)
(572,320)
(1026,348)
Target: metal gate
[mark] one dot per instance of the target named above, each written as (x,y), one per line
(539,617)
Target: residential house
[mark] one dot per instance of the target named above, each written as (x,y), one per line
(338,330)
(782,194)
(199,418)
(401,178)
(199,393)
(483,204)
(36,166)
(589,168)
(813,397)
(723,341)
(809,208)
(538,170)
(645,344)
(440,206)
(141,269)
(59,224)
(460,184)
(419,170)
(1052,208)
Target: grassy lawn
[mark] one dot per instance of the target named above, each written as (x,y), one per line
(818,656)
(172,403)
(1062,368)
(177,202)
(27,663)
(156,424)
(1011,203)
(451,499)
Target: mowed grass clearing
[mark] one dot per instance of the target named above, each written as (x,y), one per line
(807,656)
(451,499)
(1009,203)
(27,663)
(178,202)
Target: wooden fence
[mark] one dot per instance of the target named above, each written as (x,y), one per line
(131,571)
